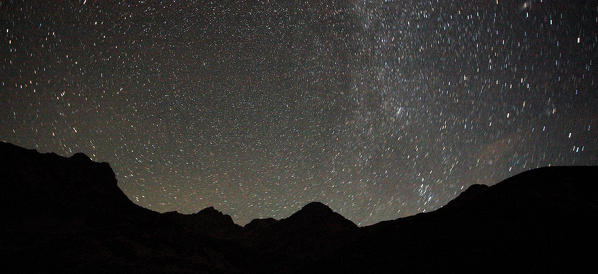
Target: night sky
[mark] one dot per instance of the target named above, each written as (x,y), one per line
(379,109)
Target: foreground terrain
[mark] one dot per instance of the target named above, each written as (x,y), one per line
(68,215)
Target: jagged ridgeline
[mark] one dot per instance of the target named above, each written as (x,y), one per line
(68,215)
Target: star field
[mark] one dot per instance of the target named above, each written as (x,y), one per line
(379,109)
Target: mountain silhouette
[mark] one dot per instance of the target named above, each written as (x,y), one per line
(68,215)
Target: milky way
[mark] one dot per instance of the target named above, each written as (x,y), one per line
(379,109)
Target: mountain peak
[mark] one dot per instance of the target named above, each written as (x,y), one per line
(74,186)
(259,224)
(79,156)
(314,209)
(316,206)
(318,214)
(214,214)
(209,209)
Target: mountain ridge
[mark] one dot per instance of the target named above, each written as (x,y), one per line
(70,211)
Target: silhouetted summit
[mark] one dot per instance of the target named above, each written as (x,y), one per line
(259,224)
(316,206)
(208,221)
(48,185)
(316,214)
(80,157)
(68,215)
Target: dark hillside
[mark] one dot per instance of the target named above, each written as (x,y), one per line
(68,215)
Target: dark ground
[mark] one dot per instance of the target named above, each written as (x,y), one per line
(68,215)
